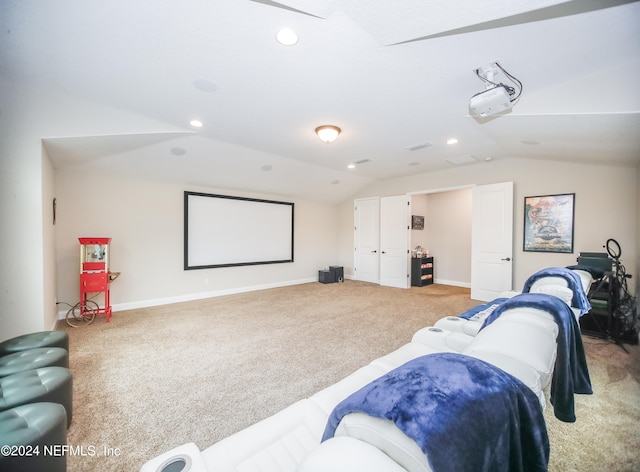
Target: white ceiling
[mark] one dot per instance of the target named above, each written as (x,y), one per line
(390,74)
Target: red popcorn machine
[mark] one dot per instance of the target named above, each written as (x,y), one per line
(95,277)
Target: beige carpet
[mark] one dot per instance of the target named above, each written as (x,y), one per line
(153,379)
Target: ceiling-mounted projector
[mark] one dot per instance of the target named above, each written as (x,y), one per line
(497,98)
(490,102)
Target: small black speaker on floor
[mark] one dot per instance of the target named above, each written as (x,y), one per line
(339,273)
(326,276)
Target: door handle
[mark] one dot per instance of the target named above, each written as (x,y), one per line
(383,252)
(506,259)
(374,251)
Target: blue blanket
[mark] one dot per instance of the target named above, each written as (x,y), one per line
(574,282)
(481,310)
(571,374)
(465,414)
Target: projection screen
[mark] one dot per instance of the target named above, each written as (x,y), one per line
(226,231)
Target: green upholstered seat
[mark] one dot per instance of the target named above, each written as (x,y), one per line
(35,340)
(47,384)
(33,359)
(36,427)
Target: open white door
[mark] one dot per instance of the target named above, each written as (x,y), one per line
(394,241)
(366,238)
(491,240)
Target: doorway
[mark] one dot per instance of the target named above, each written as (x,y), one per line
(471,242)
(469,232)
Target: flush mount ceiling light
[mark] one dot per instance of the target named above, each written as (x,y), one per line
(196,123)
(287,37)
(328,133)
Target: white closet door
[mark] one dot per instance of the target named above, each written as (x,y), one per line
(394,241)
(366,237)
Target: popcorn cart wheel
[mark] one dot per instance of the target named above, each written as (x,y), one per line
(82,314)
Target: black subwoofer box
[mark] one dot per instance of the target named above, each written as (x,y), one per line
(326,276)
(339,273)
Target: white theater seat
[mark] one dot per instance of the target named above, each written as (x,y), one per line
(276,444)
(521,371)
(348,454)
(531,344)
(327,398)
(533,316)
(460,325)
(585,278)
(442,340)
(385,436)
(401,355)
(186,457)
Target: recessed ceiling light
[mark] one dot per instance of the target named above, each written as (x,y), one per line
(335,182)
(196,123)
(452,141)
(205,85)
(266,167)
(178,151)
(351,166)
(287,37)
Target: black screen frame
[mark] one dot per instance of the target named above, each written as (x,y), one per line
(256,235)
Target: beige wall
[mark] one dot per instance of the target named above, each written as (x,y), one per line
(606,204)
(145,221)
(25,275)
(449,233)
(446,234)
(48,242)
(420,206)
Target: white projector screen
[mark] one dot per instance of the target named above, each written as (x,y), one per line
(225,231)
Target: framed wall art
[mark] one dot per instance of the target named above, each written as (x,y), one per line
(549,223)
(417,222)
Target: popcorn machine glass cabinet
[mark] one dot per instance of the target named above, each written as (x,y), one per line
(94,254)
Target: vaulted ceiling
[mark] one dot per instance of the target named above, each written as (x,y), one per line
(396,77)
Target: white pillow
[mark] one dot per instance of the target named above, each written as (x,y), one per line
(549,280)
(563,293)
(585,278)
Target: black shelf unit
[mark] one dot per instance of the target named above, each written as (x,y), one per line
(421,271)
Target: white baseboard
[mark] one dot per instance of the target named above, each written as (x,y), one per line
(219,293)
(452,282)
(196,296)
